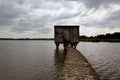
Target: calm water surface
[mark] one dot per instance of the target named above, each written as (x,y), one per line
(30,60)
(104,58)
(38,60)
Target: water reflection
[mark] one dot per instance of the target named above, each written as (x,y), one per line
(59,58)
(30,60)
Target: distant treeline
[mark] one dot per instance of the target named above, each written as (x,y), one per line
(26,39)
(114,37)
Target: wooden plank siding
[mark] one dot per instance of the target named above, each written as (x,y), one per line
(73,31)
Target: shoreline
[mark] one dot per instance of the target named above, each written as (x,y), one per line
(81,40)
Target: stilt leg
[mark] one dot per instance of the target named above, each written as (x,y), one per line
(57,46)
(75,45)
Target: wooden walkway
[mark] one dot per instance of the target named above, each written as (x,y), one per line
(76,67)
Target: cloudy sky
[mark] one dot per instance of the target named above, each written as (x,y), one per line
(36,18)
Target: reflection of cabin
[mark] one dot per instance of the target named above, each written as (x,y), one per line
(66,34)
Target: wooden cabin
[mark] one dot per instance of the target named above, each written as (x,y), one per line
(66,35)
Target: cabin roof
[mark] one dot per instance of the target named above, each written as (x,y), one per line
(66,26)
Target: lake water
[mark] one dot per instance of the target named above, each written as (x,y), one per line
(104,58)
(38,60)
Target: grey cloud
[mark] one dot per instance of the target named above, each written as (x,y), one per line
(20,1)
(97,3)
(9,12)
(20,19)
(21,16)
(39,22)
(66,16)
(114,16)
(111,22)
(31,23)
(44,30)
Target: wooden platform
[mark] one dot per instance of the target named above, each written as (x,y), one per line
(76,67)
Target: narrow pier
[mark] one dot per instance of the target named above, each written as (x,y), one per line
(76,67)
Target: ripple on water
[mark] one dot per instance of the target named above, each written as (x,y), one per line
(104,58)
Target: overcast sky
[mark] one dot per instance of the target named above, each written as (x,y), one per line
(36,18)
